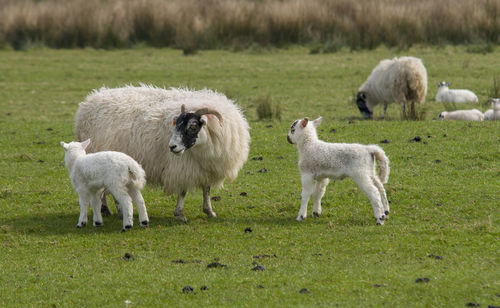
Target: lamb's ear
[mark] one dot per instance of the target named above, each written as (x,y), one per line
(64,145)
(317,122)
(304,122)
(85,143)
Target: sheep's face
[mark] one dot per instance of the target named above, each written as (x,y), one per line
(186,132)
(443,84)
(298,127)
(364,106)
(442,115)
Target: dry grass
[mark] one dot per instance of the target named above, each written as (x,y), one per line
(194,24)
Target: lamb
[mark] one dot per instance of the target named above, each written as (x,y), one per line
(445,95)
(91,174)
(493,113)
(321,161)
(400,80)
(181,148)
(462,115)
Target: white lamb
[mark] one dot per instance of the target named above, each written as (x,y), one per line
(117,172)
(184,139)
(400,80)
(321,161)
(462,115)
(493,113)
(446,95)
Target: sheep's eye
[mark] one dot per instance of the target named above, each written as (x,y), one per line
(292,131)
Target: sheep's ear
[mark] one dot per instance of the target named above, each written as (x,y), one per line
(304,122)
(64,145)
(85,143)
(317,122)
(183,108)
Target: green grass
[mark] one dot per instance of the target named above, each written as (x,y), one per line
(448,208)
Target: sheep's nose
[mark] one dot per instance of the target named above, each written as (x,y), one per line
(172,147)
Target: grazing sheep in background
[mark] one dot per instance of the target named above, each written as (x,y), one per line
(445,95)
(321,161)
(462,115)
(197,146)
(400,80)
(91,174)
(493,113)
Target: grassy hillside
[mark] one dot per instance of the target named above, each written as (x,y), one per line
(439,248)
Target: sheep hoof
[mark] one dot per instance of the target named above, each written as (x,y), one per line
(210,214)
(181,218)
(81,224)
(97,223)
(126,228)
(380,222)
(144,224)
(316,214)
(300,218)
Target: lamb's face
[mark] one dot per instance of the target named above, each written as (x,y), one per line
(364,106)
(443,85)
(294,131)
(186,132)
(442,115)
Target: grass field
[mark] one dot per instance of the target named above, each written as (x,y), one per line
(444,191)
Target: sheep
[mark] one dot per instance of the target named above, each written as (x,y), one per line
(463,115)
(400,80)
(493,113)
(321,161)
(445,95)
(117,172)
(181,148)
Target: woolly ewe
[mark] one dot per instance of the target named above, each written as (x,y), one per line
(181,148)
(321,161)
(446,95)
(400,80)
(90,174)
(493,113)
(463,115)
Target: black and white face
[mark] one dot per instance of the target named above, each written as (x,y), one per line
(364,106)
(186,132)
(291,137)
(443,84)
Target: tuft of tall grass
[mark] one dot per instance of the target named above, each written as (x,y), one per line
(194,24)
(266,109)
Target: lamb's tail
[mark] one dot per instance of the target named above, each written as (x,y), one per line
(137,175)
(378,153)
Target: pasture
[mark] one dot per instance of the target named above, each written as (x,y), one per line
(440,247)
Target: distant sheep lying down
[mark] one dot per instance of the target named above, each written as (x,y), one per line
(90,174)
(400,80)
(321,161)
(183,139)
(462,115)
(493,114)
(446,95)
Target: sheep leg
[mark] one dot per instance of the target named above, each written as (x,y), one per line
(207,205)
(84,204)
(367,186)
(140,205)
(104,206)
(118,207)
(179,208)
(95,202)
(319,192)
(385,110)
(383,196)
(307,190)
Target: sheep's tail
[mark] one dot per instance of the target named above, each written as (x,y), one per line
(384,169)
(137,175)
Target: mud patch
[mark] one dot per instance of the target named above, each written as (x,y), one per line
(187,289)
(422,280)
(128,257)
(259,267)
(304,291)
(435,257)
(216,265)
(248,230)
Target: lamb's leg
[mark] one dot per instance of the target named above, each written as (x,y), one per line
(179,208)
(118,208)
(95,202)
(319,192)
(140,205)
(383,196)
(385,110)
(307,190)
(84,205)
(104,205)
(366,184)
(207,205)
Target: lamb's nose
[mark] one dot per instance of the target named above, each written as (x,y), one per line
(172,147)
